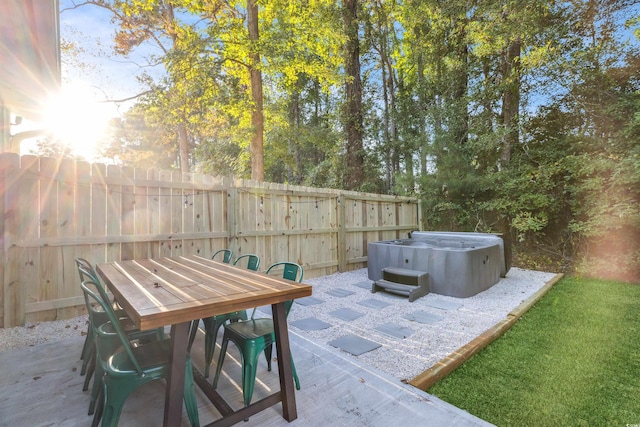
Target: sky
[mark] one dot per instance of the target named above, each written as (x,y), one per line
(92,77)
(97,67)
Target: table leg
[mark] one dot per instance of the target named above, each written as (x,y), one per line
(289,411)
(175,382)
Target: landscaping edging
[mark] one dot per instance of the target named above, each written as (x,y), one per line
(447,365)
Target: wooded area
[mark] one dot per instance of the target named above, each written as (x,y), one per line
(56,210)
(504,116)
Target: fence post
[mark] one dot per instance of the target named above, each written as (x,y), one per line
(342,234)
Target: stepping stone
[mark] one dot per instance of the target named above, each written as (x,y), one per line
(346,314)
(374,303)
(364,285)
(340,293)
(444,305)
(354,344)
(309,301)
(395,330)
(423,317)
(310,324)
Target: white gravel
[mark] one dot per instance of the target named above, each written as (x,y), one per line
(403,358)
(41,332)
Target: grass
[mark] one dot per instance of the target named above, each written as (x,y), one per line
(572,360)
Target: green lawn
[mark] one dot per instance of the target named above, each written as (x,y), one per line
(572,360)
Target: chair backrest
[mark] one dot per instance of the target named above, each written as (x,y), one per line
(90,298)
(90,274)
(88,268)
(225,253)
(253,261)
(290,271)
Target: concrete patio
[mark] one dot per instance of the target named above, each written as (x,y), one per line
(41,386)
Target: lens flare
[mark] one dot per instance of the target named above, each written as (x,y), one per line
(78,119)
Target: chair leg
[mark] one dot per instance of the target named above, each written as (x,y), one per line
(223,353)
(90,362)
(192,333)
(209,343)
(248,378)
(190,396)
(96,389)
(86,351)
(115,395)
(211,335)
(85,346)
(295,374)
(268,351)
(97,415)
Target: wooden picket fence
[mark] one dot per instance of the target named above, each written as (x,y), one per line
(56,210)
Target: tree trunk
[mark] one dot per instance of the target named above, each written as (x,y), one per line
(293,175)
(183,145)
(353,103)
(461,115)
(257,116)
(511,100)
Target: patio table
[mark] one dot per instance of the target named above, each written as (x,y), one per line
(178,290)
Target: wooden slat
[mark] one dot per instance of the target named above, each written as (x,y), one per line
(4,184)
(111,240)
(208,207)
(98,215)
(67,225)
(165,197)
(188,214)
(196,246)
(119,180)
(114,208)
(13,295)
(28,285)
(153,210)
(49,257)
(127,214)
(177,215)
(141,217)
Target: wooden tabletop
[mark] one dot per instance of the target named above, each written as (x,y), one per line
(168,291)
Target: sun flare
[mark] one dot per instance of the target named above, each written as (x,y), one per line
(78,119)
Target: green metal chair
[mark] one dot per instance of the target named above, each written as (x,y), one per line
(88,337)
(126,367)
(252,261)
(226,254)
(212,324)
(254,336)
(87,272)
(98,317)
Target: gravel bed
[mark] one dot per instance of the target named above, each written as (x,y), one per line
(41,332)
(403,358)
(425,344)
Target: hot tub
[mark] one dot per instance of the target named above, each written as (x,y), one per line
(459,264)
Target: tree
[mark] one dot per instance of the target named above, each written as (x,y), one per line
(353,120)
(156,21)
(257,116)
